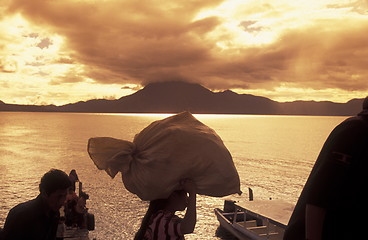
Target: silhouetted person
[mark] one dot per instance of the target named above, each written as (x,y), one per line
(73,176)
(333,201)
(76,212)
(38,219)
(160,221)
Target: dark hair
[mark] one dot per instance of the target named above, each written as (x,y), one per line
(54,180)
(73,173)
(154,206)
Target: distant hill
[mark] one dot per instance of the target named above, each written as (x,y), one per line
(173,97)
(28,108)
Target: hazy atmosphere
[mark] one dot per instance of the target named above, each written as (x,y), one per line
(57,52)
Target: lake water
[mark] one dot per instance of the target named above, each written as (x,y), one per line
(273,155)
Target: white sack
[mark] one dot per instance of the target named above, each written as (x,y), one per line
(165,152)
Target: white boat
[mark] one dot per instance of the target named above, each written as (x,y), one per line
(255,220)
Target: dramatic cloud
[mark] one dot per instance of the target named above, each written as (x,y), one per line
(140,42)
(247,45)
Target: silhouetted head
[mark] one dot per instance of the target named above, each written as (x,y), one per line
(178,200)
(365,104)
(54,187)
(73,175)
(364,113)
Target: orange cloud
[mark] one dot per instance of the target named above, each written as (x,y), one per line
(136,41)
(121,42)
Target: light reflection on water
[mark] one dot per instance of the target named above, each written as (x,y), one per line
(273,155)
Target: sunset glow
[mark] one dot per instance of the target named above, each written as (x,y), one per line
(63,51)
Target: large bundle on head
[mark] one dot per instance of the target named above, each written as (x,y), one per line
(165,152)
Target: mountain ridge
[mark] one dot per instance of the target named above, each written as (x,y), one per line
(174,97)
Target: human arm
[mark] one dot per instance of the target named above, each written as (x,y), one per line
(190,218)
(314,218)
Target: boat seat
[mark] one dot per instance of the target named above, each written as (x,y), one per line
(248,224)
(272,236)
(258,229)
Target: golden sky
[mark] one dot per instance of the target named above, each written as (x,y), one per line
(62,51)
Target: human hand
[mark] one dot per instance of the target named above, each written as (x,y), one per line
(188,185)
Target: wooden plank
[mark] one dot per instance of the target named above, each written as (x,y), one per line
(248,224)
(259,229)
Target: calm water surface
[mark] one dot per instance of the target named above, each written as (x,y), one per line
(273,155)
